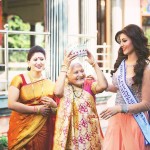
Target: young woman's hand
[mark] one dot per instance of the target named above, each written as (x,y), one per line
(42,110)
(49,102)
(109,112)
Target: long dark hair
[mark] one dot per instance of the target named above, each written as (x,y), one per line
(140,43)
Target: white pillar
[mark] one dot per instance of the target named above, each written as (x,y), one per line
(116,26)
(91,23)
(73,21)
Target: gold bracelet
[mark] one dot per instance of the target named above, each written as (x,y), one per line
(93,64)
(53,110)
(64,69)
(34,109)
(38,110)
(64,66)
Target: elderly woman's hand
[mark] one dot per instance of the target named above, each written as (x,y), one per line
(49,102)
(68,58)
(90,59)
(109,112)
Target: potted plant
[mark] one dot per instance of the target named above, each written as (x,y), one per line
(3,143)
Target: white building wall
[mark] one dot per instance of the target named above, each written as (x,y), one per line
(88,24)
(73,21)
(132,14)
(124,12)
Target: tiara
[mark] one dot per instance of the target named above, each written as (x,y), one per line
(80,50)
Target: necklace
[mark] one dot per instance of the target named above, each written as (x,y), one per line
(77,95)
(34,79)
(33,89)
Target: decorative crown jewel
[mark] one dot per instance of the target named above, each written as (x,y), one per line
(80,50)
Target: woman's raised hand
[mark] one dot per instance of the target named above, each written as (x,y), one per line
(90,58)
(68,58)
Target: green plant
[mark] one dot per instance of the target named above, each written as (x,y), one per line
(3,142)
(17,56)
(18,40)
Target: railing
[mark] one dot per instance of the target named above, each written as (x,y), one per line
(6,49)
(106,57)
(105,53)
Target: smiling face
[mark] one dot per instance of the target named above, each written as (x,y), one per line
(76,75)
(37,62)
(126,44)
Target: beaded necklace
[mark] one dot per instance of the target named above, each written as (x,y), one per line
(74,92)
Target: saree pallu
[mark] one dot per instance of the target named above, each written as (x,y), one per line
(31,131)
(123,133)
(77,123)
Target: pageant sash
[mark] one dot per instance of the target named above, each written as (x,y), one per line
(130,99)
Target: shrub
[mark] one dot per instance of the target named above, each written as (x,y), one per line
(3,142)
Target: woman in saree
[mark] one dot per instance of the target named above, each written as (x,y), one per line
(77,123)
(128,127)
(30,96)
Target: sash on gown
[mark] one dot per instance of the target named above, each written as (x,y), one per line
(130,99)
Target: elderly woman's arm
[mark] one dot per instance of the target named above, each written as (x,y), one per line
(101,80)
(60,83)
(111,88)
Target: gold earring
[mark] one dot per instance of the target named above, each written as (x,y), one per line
(28,68)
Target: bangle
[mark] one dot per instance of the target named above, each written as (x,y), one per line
(34,109)
(64,68)
(124,108)
(38,110)
(53,110)
(93,64)
(63,71)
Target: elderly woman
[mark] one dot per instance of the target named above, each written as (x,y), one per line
(77,122)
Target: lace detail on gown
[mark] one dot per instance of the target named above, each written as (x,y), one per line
(136,90)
